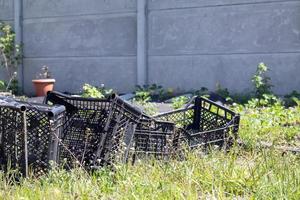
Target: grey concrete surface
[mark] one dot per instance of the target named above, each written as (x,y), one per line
(72,73)
(109,35)
(6,10)
(190,43)
(231,71)
(254,28)
(179,4)
(91,41)
(55,8)
(194,44)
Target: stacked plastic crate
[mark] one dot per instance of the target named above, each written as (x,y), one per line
(29,135)
(87,132)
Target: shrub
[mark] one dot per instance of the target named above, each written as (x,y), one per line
(95,92)
(261,81)
(142,95)
(153,92)
(223,92)
(10,56)
(2,86)
(291,99)
(178,102)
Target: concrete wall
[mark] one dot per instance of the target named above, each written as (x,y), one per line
(7,10)
(191,43)
(199,43)
(91,41)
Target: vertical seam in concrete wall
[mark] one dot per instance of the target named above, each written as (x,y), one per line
(141,42)
(18,22)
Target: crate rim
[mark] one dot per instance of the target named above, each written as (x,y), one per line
(191,106)
(76,97)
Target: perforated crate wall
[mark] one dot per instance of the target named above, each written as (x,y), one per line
(154,138)
(134,133)
(43,125)
(83,129)
(119,131)
(204,123)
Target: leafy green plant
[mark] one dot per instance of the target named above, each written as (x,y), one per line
(147,93)
(178,102)
(291,99)
(153,92)
(261,81)
(241,98)
(165,94)
(45,73)
(223,92)
(12,85)
(2,86)
(10,55)
(142,95)
(149,108)
(95,92)
(275,123)
(266,100)
(203,92)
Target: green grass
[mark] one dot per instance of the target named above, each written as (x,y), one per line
(239,174)
(264,174)
(276,124)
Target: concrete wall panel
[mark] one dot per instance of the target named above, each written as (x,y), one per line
(54,8)
(112,35)
(200,43)
(6,10)
(179,4)
(72,73)
(254,28)
(231,71)
(191,43)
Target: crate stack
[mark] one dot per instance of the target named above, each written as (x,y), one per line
(89,133)
(132,134)
(116,130)
(29,135)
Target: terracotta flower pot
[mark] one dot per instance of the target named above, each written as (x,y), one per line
(42,86)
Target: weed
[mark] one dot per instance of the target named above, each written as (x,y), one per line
(180,101)
(291,99)
(223,92)
(95,92)
(10,54)
(261,81)
(153,92)
(2,86)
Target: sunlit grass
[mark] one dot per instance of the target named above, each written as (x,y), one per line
(261,174)
(239,174)
(276,124)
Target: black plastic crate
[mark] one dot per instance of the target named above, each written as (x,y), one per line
(29,135)
(203,123)
(83,130)
(154,138)
(133,133)
(119,131)
(98,132)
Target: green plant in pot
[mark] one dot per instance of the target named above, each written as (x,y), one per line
(44,82)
